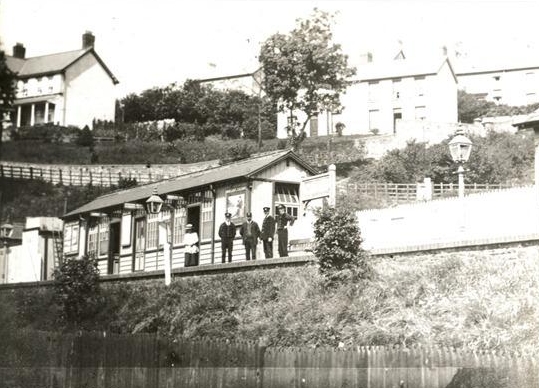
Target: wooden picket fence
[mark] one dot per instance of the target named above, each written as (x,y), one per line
(52,360)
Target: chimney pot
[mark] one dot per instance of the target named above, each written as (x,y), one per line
(19,51)
(88,40)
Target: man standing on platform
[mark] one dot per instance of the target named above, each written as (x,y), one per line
(282,219)
(227,232)
(267,233)
(250,232)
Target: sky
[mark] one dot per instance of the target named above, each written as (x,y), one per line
(155,43)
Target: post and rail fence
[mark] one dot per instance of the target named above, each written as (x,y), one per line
(57,360)
(97,175)
(410,192)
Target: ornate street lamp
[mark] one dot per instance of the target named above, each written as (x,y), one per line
(460,148)
(154,203)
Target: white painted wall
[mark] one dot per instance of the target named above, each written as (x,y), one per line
(496,215)
(516,87)
(89,93)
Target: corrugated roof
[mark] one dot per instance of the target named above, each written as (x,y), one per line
(399,69)
(52,63)
(243,168)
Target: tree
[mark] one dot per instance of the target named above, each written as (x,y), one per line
(76,290)
(338,245)
(304,71)
(7,93)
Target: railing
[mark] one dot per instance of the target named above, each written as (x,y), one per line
(97,175)
(408,192)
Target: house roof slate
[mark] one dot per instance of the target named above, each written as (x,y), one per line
(400,69)
(51,63)
(241,169)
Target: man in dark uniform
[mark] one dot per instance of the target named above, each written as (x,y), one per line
(267,233)
(227,232)
(282,219)
(250,231)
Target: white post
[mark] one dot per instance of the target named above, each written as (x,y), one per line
(460,171)
(332,184)
(167,249)
(46,118)
(18,116)
(32,115)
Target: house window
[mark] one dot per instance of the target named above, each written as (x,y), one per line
(374,90)
(152,229)
(71,238)
(396,89)
(287,194)
(420,113)
(419,86)
(179,225)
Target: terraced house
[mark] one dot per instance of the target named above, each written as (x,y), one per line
(69,88)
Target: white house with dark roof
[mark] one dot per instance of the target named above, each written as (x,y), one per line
(387,96)
(69,88)
(118,229)
(504,79)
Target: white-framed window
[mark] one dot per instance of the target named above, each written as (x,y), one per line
(420,113)
(152,230)
(206,220)
(71,237)
(104,238)
(419,83)
(287,194)
(397,89)
(374,91)
(179,225)
(93,242)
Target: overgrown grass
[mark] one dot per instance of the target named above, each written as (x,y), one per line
(478,300)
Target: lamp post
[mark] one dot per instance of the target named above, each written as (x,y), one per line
(460,148)
(153,206)
(5,232)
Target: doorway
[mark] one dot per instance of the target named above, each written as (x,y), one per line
(139,244)
(114,246)
(396,117)
(193,217)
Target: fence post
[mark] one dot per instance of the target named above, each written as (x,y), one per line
(20,173)
(70,177)
(50,174)
(260,350)
(2,170)
(60,176)
(91,178)
(81,176)
(110,178)
(31,173)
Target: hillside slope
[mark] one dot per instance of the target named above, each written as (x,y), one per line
(478,300)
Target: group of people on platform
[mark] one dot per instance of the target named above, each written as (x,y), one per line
(250,233)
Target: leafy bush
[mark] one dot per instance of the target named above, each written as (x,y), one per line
(338,245)
(77,291)
(85,138)
(47,133)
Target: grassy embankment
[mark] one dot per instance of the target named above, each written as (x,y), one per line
(477,300)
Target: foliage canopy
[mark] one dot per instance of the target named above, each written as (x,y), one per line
(304,71)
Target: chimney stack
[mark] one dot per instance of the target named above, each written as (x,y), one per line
(19,51)
(88,40)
